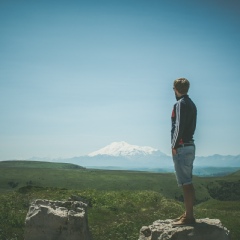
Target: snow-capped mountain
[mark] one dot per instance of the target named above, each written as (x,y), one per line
(126,156)
(117,149)
(123,155)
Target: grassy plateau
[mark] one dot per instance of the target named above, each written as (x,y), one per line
(120,202)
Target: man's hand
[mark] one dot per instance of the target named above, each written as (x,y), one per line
(174,151)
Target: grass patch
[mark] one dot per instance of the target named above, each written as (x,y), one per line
(112,215)
(110,180)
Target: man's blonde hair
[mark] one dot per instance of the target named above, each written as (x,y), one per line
(181,85)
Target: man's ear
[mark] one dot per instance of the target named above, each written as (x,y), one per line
(177,93)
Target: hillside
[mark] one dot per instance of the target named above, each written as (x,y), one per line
(237,174)
(69,176)
(79,179)
(37,164)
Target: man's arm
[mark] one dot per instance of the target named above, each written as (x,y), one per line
(180,112)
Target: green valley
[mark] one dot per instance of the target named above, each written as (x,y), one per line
(120,202)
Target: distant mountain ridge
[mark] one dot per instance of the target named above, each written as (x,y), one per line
(126,156)
(217,160)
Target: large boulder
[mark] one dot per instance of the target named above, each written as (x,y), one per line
(57,220)
(204,229)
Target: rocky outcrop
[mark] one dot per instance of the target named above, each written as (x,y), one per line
(204,229)
(57,220)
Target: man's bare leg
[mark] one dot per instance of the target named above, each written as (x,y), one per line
(189,198)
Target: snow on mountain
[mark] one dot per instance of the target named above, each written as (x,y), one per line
(123,149)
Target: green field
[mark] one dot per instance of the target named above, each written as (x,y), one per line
(120,202)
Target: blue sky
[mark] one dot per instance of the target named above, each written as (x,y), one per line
(78,75)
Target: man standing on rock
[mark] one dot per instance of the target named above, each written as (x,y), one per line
(184,116)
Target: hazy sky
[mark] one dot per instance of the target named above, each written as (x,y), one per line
(78,75)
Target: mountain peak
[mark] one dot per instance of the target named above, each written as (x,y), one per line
(123,149)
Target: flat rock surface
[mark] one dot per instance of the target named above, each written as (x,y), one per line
(203,229)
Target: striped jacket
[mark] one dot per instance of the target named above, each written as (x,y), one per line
(184,117)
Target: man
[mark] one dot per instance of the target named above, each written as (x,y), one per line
(184,117)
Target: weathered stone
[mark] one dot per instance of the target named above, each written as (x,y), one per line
(204,229)
(57,220)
